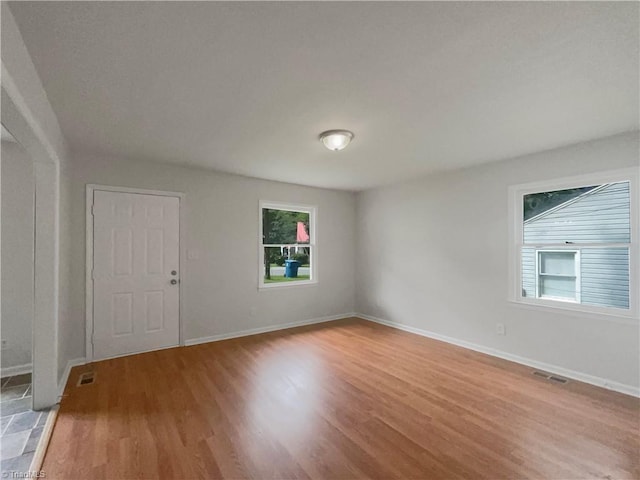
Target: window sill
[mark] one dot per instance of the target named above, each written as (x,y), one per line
(577,310)
(302,283)
(556,299)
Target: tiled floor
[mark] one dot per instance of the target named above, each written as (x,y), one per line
(20,427)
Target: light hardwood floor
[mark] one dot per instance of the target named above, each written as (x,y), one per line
(345,399)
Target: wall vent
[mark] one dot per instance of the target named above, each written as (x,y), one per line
(550,377)
(86,378)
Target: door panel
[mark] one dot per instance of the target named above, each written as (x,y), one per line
(121,314)
(136,248)
(154,311)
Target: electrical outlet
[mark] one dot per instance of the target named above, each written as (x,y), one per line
(500,330)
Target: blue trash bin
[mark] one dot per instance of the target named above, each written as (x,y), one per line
(291,268)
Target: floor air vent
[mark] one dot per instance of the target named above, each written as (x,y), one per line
(86,378)
(550,377)
(558,379)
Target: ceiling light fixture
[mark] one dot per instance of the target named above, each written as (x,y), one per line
(336,139)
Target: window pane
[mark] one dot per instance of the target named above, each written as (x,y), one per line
(529,273)
(558,287)
(286,264)
(285,227)
(558,263)
(605,277)
(591,214)
(603,274)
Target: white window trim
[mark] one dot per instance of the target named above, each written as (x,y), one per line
(576,273)
(515,220)
(313,251)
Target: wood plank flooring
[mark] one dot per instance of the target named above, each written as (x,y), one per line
(345,399)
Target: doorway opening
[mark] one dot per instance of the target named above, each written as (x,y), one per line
(21,427)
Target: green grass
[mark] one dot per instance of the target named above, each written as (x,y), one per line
(282,278)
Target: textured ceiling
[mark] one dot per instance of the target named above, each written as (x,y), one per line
(246,87)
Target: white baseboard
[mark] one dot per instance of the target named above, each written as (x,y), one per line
(575,375)
(74,362)
(270,328)
(43,443)
(16,370)
(564,372)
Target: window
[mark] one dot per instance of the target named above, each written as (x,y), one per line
(575,243)
(287,245)
(558,275)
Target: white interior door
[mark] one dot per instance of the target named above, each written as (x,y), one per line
(136,281)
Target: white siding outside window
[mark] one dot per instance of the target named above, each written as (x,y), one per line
(574,243)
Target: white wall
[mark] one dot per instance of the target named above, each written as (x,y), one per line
(433,254)
(17,255)
(221,286)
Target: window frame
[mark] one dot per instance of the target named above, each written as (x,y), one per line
(516,242)
(312,245)
(576,273)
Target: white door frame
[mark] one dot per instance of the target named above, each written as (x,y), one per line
(89,257)
(26,129)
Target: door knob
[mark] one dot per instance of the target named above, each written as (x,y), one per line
(174,281)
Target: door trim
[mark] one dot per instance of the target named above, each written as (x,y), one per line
(48,160)
(91,188)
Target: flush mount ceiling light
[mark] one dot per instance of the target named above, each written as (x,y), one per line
(336,139)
